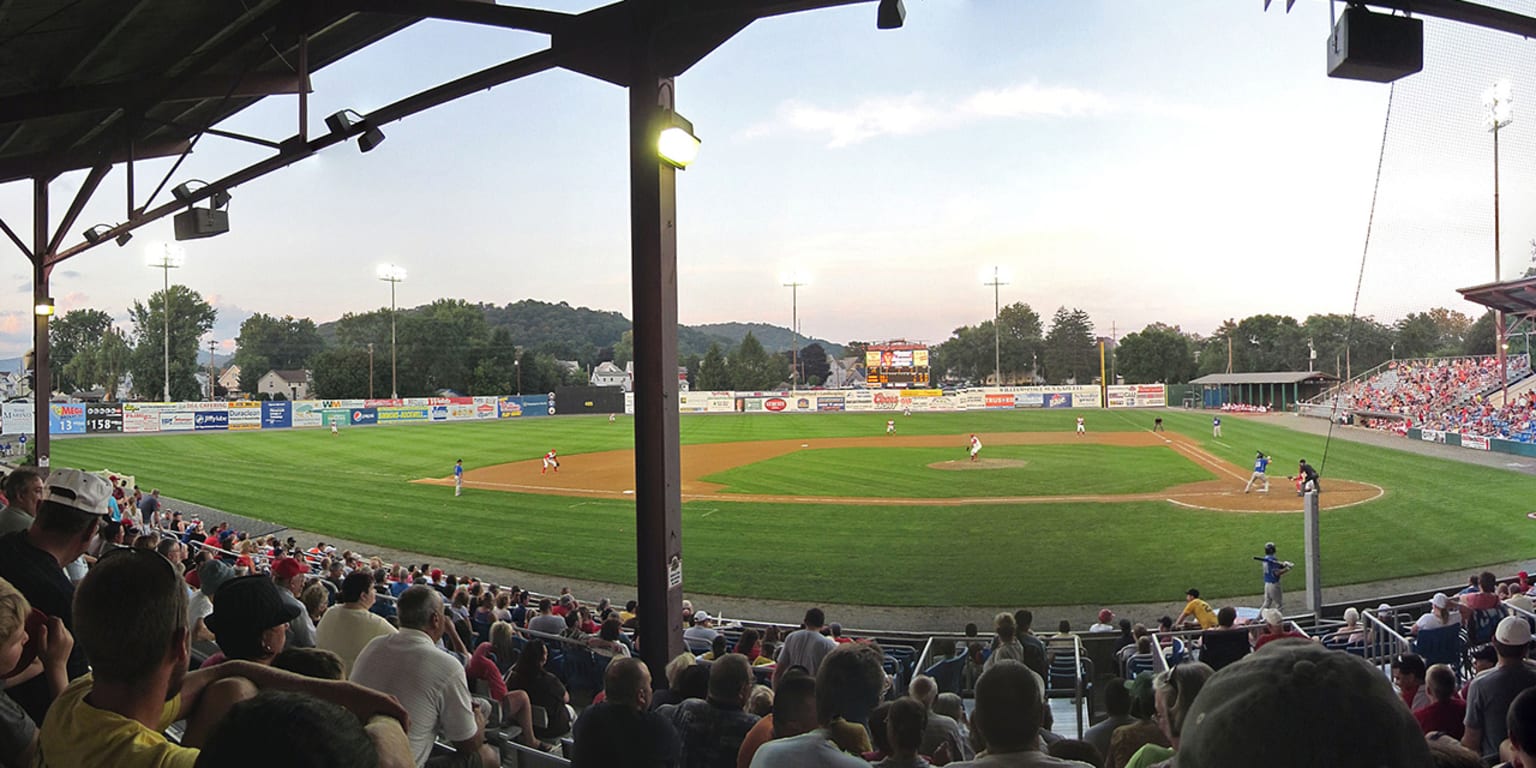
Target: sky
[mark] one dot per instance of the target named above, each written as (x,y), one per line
(1180,162)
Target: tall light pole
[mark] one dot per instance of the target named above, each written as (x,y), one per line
(1498,102)
(997,334)
(794,281)
(166,257)
(393,275)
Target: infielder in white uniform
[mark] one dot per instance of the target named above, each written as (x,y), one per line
(1082,427)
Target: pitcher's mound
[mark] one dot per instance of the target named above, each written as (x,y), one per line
(966,464)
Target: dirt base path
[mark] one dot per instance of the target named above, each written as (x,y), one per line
(611,474)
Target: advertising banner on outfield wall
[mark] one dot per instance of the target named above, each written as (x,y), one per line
(210,420)
(1474,442)
(1137,396)
(509,407)
(66,419)
(1056,400)
(885,400)
(178,421)
(1432,436)
(830,403)
(103,417)
(485,407)
(538,405)
(999,400)
(363,416)
(276,414)
(245,415)
(397,414)
(308,413)
(16,418)
(139,418)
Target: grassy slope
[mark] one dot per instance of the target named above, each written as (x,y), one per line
(1437,515)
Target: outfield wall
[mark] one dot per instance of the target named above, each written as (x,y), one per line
(221,416)
(1473,442)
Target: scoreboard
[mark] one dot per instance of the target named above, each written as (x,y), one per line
(896,365)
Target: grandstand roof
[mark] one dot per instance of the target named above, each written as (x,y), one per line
(1514,297)
(1264,377)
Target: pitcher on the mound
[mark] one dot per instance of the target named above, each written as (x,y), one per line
(550,462)
(975,446)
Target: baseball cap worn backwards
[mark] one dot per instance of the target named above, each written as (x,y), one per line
(81,491)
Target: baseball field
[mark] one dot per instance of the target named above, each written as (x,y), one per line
(827,507)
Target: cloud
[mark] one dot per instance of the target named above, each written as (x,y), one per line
(919,113)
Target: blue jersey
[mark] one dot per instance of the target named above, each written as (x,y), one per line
(458,470)
(1216,421)
(1260,464)
(1272,569)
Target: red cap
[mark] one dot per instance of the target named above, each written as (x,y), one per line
(287,568)
(1105,615)
(437,573)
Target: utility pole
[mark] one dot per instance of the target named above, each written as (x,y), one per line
(997,333)
(213,380)
(370,370)
(794,283)
(1113,335)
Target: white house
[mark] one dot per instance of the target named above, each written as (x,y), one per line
(230,380)
(629,377)
(606,374)
(292,385)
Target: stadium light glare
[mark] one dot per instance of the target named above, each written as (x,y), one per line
(44,307)
(1499,103)
(677,145)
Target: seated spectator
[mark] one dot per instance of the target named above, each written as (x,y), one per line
(249,622)
(879,736)
(1300,704)
(1105,622)
(1005,643)
(1352,633)
(1126,637)
(211,575)
(851,677)
(308,732)
(316,599)
(131,619)
(1486,597)
(1141,661)
(1010,700)
(1489,696)
(622,731)
(712,731)
(434,691)
(702,634)
(673,693)
(546,621)
(1482,658)
(1197,613)
(515,705)
(1520,724)
(1444,713)
(289,575)
(351,625)
(836,631)
(794,713)
(717,648)
(1274,629)
(1117,702)
(1438,615)
(906,726)
(543,689)
(760,701)
(952,706)
(1224,644)
(1124,653)
(18,733)
(1175,691)
(310,662)
(750,645)
(1144,730)
(939,730)
(1408,675)
(610,639)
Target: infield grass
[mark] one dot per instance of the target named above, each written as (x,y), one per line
(1437,515)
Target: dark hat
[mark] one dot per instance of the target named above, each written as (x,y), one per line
(212,575)
(249,604)
(1344,707)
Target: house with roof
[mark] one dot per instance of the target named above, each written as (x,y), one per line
(292,385)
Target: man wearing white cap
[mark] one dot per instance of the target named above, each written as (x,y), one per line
(1438,615)
(702,633)
(1490,694)
(73,505)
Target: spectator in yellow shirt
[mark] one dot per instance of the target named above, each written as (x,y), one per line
(1196,612)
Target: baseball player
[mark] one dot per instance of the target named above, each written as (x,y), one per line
(1274,568)
(458,478)
(1082,426)
(550,462)
(612,417)
(1215,426)
(1306,479)
(975,446)
(334,430)
(890,426)
(1260,465)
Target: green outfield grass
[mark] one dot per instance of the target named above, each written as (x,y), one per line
(1437,515)
(1048,470)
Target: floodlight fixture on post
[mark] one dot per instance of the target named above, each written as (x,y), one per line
(393,275)
(44,307)
(185,192)
(677,145)
(166,257)
(1498,106)
(892,14)
(347,122)
(97,233)
(794,281)
(997,334)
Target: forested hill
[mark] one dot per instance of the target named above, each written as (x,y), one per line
(545,326)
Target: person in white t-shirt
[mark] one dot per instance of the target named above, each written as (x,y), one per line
(350,626)
(805,647)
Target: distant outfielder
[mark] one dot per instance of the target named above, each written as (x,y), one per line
(1215,426)
(1260,465)
(458,477)
(550,462)
(334,430)
(1082,426)
(907,411)
(890,426)
(975,446)
(612,417)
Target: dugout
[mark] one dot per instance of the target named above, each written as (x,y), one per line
(1281,390)
(569,400)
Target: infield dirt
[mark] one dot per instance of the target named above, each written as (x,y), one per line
(610,474)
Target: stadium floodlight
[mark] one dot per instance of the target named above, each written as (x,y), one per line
(1498,101)
(44,307)
(890,15)
(995,279)
(677,145)
(393,275)
(166,257)
(1498,112)
(794,280)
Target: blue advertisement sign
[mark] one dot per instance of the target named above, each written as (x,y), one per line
(211,420)
(509,407)
(66,419)
(1057,400)
(537,405)
(365,416)
(829,403)
(276,414)
(439,413)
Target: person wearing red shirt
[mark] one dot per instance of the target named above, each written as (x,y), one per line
(481,667)
(1445,713)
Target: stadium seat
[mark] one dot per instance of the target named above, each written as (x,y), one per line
(1137,664)
(1440,646)
(1222,647)
(1067,679)
(1484,622)
(946,674)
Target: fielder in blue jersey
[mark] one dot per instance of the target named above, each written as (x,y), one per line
(458,477)
(1260,466)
